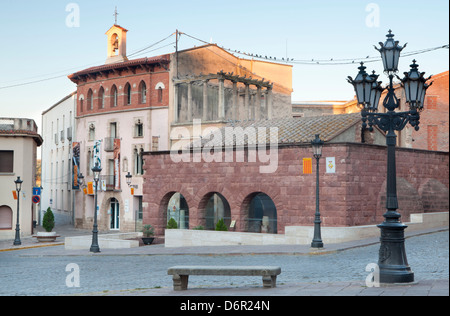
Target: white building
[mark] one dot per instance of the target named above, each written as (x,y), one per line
(58,130)
(18,148)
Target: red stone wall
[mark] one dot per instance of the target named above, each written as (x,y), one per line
(433,133)
(354,195)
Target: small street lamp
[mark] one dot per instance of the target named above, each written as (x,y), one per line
(392,259)
(17,241)
(317,144)
(94,246)
(80,179)
(129,176)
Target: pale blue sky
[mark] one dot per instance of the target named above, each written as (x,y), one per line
(37,44)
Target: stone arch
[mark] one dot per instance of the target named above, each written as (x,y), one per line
(434,195)
(105,217)
(259,213)
(212,207)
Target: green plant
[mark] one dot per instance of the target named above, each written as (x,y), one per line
(172,224)
(199,228)
(148,230)
(48,222)
(220,226)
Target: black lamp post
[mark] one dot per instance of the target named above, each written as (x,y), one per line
(17,241)
(317,144)
(392,259)
(94,246)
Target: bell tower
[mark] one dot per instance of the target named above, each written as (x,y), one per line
(117,44)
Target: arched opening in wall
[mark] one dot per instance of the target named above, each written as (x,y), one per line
(178,209)
(5,217)
(262,213)
(215,206)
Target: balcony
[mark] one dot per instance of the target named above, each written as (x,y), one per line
(109,144)
(107,182)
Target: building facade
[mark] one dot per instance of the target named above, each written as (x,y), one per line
(19,140)
(58,129)
(128,107)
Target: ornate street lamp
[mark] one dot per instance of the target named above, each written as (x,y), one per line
(129,176)
(94,246)
(317,144)
(392,259)
(17,241)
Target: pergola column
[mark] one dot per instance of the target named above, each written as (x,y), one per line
(221,108)
(175,103)
(205,100)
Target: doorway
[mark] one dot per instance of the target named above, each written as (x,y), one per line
(115,214)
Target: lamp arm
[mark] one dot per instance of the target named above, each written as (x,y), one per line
(391,120)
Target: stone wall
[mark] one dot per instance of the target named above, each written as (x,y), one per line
(354,195)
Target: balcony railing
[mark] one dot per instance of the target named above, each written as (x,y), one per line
(110,182)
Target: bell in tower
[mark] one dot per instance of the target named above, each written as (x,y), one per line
(117,44)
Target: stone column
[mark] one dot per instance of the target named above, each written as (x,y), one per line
(221,109)
(205,100)
(269,103)
(189,103)
(175,103)
(258,103)
(235,110)
(246,102)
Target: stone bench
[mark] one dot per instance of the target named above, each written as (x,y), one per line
(181,273)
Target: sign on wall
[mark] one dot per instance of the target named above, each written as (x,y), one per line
(331,164)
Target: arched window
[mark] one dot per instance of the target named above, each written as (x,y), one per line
(127,94)
(160,95)
(90,100)
(178,210)
(5,217)
(138,161)
(101,98)
(113,103)
(142,92)
(262,214)
(216,208)
(81,104)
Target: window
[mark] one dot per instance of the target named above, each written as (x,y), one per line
(143,92)
(101,98)
(160,95)
(138,161)
(6,161)
(139,129)
(81,105)
(127,94)
(113,103)
(90,100)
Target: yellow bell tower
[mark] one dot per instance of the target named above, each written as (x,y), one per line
(117,44)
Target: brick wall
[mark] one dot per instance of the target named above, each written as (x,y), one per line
(354,195)
(120,82)
(433,133)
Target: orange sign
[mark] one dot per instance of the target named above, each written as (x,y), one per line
(307,165)
(132,191)
(90,188)
(14,195)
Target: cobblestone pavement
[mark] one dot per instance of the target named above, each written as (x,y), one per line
(143,270)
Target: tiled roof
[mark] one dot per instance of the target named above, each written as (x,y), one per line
(125,64)
(290,130)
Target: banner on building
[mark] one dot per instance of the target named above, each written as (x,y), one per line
(307,165)
(331,164)
(75,165)
(96,154)
(116,164)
